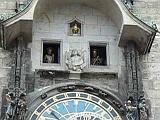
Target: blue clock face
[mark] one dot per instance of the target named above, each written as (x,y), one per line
(75,106)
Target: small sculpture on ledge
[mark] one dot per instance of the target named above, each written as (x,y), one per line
(129,1)
(129,4)
(75,29)
(16,108)
(143,110)
(10,106)
(75,60)
(131,110)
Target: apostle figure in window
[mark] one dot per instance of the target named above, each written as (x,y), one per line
(96,59)
(49,57)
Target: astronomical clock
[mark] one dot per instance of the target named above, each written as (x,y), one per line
(75,106)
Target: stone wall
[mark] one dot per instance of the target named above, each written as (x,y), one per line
(7,6)
(151,77)
(51,23)
(4,71)
(148,11)
(106,81)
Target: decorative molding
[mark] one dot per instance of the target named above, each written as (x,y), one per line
(5,16)
(46,73)
(75,60)
(135,106)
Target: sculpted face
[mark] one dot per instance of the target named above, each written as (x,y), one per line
(74,52)
(49,51)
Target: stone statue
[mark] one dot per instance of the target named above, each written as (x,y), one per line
(96,59)
(49,57)
(129,3)
(75,29)
(131,110)
(143,109)
(10,106)
(22,106)
(16,108)
(75,59)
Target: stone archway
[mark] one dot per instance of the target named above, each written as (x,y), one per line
(111,8)
(140,33)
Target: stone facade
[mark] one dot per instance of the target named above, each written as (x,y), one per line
(151,82)
(7,6)
(148,11)
(53,23)
(5,68)
(50,24)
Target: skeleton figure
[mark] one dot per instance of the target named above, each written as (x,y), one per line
(131,110)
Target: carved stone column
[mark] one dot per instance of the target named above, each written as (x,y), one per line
(131,64)
(134,80)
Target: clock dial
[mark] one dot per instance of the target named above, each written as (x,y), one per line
(75,106)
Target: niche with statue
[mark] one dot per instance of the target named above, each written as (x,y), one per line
(75,27)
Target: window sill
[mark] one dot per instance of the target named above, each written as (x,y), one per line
(50,64)
(102,69)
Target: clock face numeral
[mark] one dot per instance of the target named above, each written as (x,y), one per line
(71,107)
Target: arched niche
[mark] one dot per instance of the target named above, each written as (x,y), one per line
(110,8)
(129,26)
(75,27)
(42,22)
(91,19)
(114,9)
